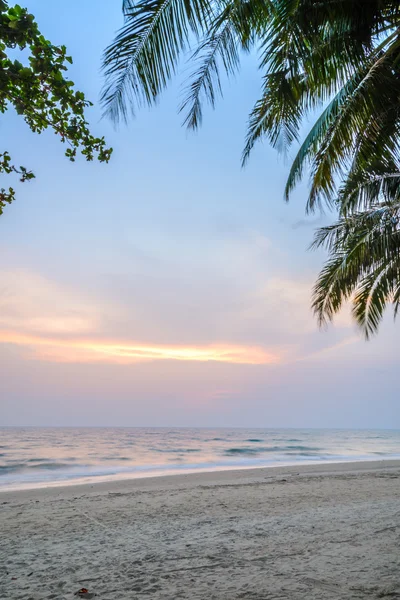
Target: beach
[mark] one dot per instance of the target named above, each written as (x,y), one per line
(319,531)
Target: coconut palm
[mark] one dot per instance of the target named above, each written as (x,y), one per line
(341,54)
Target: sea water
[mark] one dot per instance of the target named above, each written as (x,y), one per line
(36,457)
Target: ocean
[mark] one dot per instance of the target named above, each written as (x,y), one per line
(36,457)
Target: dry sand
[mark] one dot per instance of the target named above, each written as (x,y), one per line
(328,532)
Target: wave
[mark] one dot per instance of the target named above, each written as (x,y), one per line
(302,448)
(261,450)
(11,468)
(245,451)
(310,454)
(254,440)
(41,466)
(52,465)
(176,450)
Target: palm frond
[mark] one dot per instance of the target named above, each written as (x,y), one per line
(373,294)
(358,128)
(362,189)
(305,66)
(233,30)
(144,55)
(364,262)
(219,47)
(315,137)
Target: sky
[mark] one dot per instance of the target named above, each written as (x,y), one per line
(170,287)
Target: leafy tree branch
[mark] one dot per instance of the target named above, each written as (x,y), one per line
(39,91)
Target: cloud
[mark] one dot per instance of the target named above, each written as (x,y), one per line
(332,348)
(31,303)
(87,351)
(267,322)
(284,305)
(312,223)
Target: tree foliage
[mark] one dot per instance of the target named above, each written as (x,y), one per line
(342,56)
(39,91)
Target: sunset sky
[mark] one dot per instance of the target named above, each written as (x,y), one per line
(170,287)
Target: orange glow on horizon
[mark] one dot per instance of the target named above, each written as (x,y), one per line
(112,352)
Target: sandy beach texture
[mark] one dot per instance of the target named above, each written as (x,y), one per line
(311,532)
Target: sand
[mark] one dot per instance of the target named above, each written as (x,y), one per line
(311,532)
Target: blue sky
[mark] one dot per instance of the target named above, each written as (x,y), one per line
(170,248)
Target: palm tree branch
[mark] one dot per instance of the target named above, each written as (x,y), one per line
(144,55)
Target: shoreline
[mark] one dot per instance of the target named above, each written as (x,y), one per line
(197,477)
(305,532)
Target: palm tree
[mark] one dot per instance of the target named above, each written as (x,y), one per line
(341,54)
